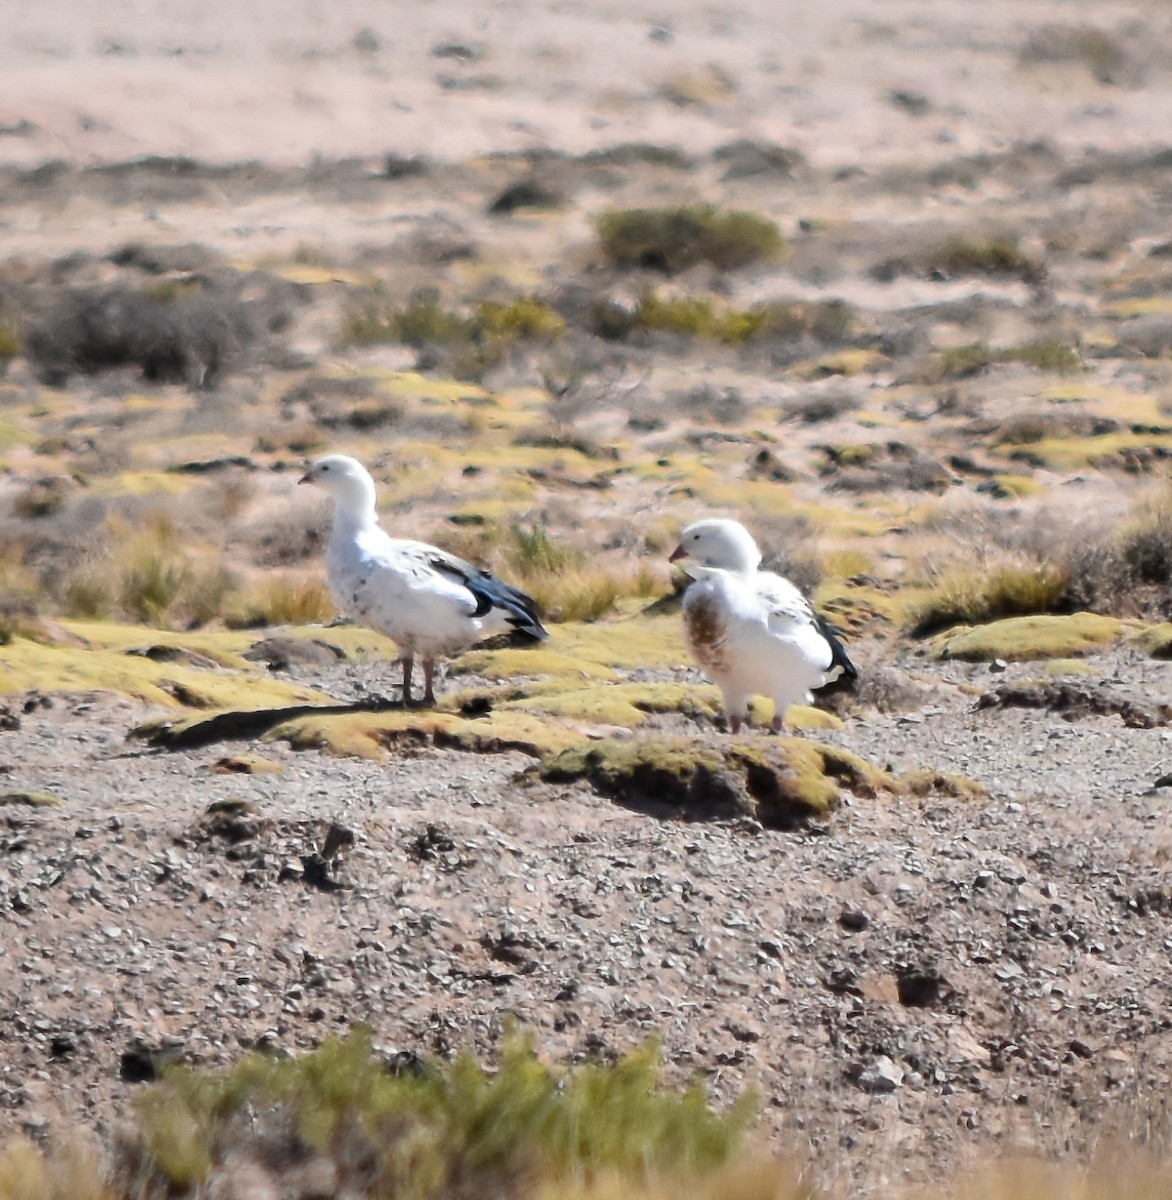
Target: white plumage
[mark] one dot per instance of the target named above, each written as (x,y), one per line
(429,602)
(752,631)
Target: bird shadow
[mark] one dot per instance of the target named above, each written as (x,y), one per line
(247,724)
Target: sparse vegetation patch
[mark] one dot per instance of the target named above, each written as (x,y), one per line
(435,1130)
(673,239)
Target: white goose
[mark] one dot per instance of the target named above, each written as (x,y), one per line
(752,631)
(429,602)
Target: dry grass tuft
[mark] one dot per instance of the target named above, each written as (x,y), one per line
(974,597)
(284,599)
(566,583)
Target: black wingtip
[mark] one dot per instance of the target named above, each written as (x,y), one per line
(839,658)
(530,628)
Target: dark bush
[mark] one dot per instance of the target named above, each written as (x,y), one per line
(183,334)
(673,239)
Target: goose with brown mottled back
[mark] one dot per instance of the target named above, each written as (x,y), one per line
(752,631)
(429,602)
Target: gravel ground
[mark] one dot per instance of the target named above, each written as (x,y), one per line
(908,985)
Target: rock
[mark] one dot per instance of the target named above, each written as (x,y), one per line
(881,1077)
(175,654)
(282,653)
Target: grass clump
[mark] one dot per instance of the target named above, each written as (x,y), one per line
(155,573)
(146,575)
(285,600)
(972,598)
(673,239)
(565,582)
(438,1131)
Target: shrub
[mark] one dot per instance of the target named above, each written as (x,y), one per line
(183,334)
(425,322)
(700,316)
(959,362)
(88,597)
(673,239)
(468,346)
(10,344)
(1145,546)
(994,256)
(533,550)
(443,1130)
(153,579)
(42,498)
(1046,356)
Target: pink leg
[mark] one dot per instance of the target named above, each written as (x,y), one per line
(408,662)
(735,723)
(778,723)
(429,682)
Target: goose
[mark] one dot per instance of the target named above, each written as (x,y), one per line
(752,631)
(430,603)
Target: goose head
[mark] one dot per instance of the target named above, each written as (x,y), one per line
(720,544)
(348,482)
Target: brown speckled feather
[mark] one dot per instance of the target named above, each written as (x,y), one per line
(705,630)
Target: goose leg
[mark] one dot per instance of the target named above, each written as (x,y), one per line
(408,666)
(429,681)
(736,709)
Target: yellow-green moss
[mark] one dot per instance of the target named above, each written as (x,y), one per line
(1156,640)
(370,735)
(1144,306)
(1018,486)
(779,780)
(590,651)
(227,646)
(626,704)
(940,783)
(26,665)
(1065,666)
(1073,453)
(1017,639)
(844,362)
